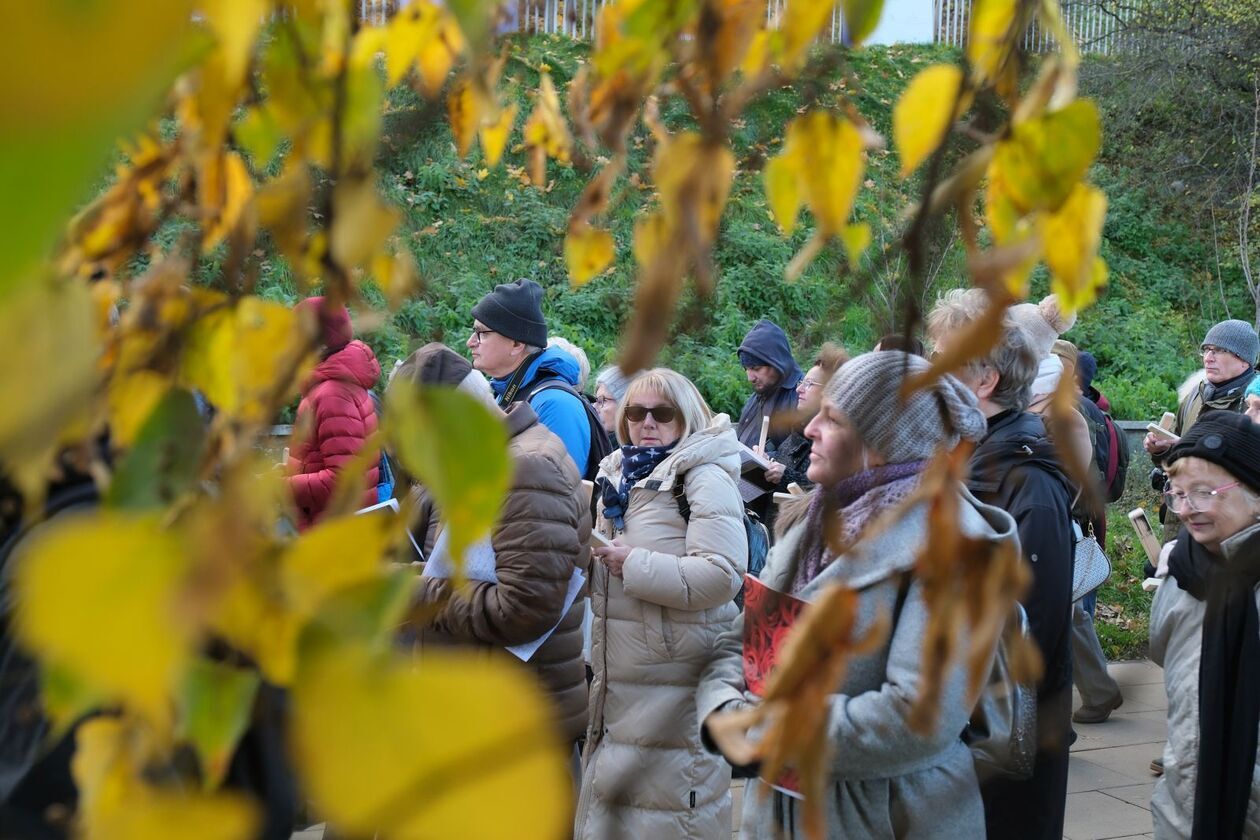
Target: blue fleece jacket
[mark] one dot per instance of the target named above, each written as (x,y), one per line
(558,410)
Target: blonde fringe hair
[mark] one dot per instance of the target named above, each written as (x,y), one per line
(678,391)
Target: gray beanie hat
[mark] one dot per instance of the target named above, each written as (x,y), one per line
(868,390)
(1237,337)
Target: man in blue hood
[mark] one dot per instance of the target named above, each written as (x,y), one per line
(508,344)
(774,375)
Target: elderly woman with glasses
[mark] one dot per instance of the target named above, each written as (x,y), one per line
(673,557)
(1205,632)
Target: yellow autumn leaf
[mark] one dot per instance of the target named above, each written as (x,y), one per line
(373,764)
(546,134)
(831,151)
(1071,237)
(116,803)
(782,178)
(49,375)
(494,135)
(650,234)
(243,357)
(331,556)
(802,23)
(1043,159)
(464,109)
(991,39)
(362,222)
(406,34)
(226,190)
(856,239)
(282,208)
(115,622)
(924,112)
(437,55)
(235,24)
(132,398)
(587,252)
(693,175)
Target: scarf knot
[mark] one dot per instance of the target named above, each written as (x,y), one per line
(637,463)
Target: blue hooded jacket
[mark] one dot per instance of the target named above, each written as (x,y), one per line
(558,410)
(769,345)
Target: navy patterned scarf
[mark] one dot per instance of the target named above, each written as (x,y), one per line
(637,463)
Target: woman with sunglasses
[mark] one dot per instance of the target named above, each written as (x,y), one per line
(662,590)
(1205,633)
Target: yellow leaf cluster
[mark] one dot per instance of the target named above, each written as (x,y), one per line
(821,164)
(546,133)
(424,36)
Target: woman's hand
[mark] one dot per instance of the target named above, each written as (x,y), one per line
(774,473)
(613,556)
(1155,445)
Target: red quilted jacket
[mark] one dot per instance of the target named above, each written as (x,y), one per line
(338,415)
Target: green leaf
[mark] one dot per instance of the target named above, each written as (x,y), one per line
(458,449)
(861,17)
(1043,159)
(215,702)
(164,462)
(259,134)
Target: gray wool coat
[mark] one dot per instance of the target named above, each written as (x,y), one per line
(1176,639)
(887,781)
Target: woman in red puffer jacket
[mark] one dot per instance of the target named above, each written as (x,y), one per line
(335,417)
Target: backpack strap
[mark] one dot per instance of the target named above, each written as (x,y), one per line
(680,497)
(1113,455)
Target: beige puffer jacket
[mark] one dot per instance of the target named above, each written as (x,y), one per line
(645,772)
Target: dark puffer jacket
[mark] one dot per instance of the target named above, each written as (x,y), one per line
(540,539)
(336,415)
(1014,468)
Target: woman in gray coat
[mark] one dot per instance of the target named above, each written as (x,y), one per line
(869,449)
(1205,632)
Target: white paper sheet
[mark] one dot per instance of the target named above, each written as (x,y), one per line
(524,651)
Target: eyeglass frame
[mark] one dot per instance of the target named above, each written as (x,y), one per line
(480,335)
(599,401)
(673,413)
(1170,498)
(1215,351)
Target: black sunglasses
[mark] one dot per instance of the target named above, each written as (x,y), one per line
(660,413)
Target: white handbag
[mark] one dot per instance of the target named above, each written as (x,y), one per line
(1090,567)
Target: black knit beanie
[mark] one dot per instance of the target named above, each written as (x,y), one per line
(514,310)
(1227,439)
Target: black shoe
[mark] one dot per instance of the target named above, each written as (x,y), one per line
(1097,714)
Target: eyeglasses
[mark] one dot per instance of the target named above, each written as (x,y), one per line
(809,384)
(1198,500)
(660,413)
(603,401)
(1210,350)
(480,335)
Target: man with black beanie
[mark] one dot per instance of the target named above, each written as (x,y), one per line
(509,344)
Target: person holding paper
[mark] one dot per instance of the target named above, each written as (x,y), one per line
(767,360)
(662,589)
(539,541)
(886,779)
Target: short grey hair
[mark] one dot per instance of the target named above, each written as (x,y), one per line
(579,356)
(1013,357)
(615,382)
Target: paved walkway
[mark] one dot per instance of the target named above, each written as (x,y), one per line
(1109,779)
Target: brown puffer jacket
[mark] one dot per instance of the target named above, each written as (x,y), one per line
(541,537)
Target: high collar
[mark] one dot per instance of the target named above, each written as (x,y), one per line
(1229,390)
(520,416)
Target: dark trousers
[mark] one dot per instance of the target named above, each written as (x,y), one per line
(1033,808)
